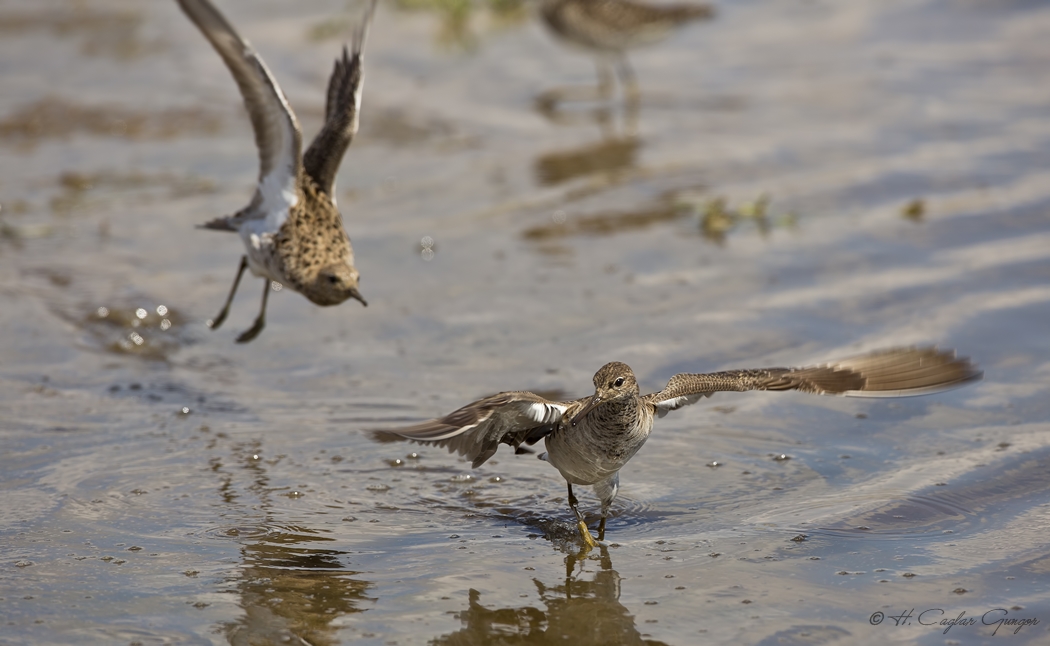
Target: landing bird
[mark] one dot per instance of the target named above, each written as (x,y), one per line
(589,440)
(608,28)
(292,230)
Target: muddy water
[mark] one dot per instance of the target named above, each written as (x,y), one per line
(802,180)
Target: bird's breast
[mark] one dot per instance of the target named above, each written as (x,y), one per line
(592,450)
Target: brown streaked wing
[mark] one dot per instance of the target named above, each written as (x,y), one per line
(476,430)
(902,372)
(342,112)
(277,134)
(897,372)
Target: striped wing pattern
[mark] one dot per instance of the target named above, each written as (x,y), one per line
(476,430)
(342,112)
(898,372)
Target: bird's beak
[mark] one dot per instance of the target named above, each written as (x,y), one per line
(356,294)
(588,407)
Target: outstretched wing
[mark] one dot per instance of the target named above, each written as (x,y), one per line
(476,430)
(277,133)
(342,112)
(899,372)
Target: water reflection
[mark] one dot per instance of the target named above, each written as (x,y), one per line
(58,118)
(293,594)
(616,151)
(582,610)
(292,584)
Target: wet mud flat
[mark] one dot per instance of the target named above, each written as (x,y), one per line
(831,179)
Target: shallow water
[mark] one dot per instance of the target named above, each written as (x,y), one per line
(162,484)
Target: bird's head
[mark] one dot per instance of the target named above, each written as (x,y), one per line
(614,382)
(334,284)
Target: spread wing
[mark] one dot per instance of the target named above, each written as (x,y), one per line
(899,372)
(476,430)
(277,134)
(342,112)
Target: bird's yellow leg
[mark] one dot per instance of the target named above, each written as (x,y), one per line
(585,534)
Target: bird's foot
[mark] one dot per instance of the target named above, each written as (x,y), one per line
(585,535)
(217,321)
(251,333)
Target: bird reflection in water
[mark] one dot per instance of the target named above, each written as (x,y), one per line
(292,595)
(579,611)
(293,587)
(615,152)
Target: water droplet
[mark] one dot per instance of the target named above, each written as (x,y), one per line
(102,312)
(276,286)
(781,457)
(558,217)
(141,312)
(165,324)
(714,464)
(185,410)
(162,310)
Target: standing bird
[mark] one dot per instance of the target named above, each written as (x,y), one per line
(589,440)
(608,28)
(292,230)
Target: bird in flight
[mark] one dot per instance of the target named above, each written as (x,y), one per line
(590,439)
(292,231)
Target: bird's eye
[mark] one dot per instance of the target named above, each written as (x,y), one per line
(333,279)
(618,382)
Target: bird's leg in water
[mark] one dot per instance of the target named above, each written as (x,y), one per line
(585,533)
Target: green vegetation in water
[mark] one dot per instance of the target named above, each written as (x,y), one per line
(460,20)
(718,219)
(914,210)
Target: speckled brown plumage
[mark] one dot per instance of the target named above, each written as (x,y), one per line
(292,231)
(310,239)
